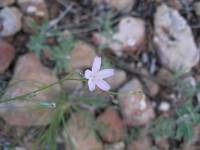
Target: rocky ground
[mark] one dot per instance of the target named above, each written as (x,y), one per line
(153,45)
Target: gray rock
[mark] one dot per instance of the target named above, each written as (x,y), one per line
(11,23)
(173,37)
(115,146)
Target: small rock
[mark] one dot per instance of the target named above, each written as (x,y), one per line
(122,5)
(80,133)
(72,85)
(164,107)
(117,79)
(140,144)
(4,3)
(34,8)
(163,144)
(19,148)
(136,110)
(197,8)
(129,38)
(151,87)
(29,75)
(174,40)
(178,5)
(7,54)
(11,21)
(113,130)
(82,56)
(27,24)
(165,76)
(115,146)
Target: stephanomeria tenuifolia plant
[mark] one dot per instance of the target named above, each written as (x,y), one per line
(94,77)
(66,104)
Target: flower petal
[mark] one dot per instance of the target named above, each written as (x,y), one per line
(91,85)
(96,65)
(88,74)
(103,85)
(105,73)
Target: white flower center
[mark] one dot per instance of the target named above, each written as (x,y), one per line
(94,77)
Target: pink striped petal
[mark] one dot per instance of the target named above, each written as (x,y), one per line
(105,73)
(96,65)
(103,85)
(91,85)
(88,74)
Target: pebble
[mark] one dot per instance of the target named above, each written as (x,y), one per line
(7,54)
(72,85)
(122,5)
(11,23)
(113,128)
(115,146)
(117,79)
(151,87)
(164,107)
(140,144)
(129,38)
(135,108)
(79,131)
(197,8)
(82,56)
(4,3)
(36,8)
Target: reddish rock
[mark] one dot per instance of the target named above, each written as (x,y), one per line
(129,38)
(140,144)
(4,3)
(114,129)
(163,144)
(135,108)
(79,131)
(7,54)
(117,79)
(82,56)
(29,76)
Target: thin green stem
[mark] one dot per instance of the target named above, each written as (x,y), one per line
(124,93)
(41,89)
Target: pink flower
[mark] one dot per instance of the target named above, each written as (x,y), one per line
(95,76)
